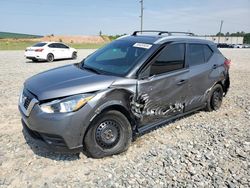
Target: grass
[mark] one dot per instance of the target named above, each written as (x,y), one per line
(14,45)
(17,35)
(22,45)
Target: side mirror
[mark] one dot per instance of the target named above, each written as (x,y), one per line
(145,75)
(151,77)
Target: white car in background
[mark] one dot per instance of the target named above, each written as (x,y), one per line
(50,51)
(238,46)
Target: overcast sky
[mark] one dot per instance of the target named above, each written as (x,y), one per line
(122,16)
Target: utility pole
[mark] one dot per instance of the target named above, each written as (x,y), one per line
(141,16)
(221,23)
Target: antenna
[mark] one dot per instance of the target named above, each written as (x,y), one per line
(221,23)
(141,16)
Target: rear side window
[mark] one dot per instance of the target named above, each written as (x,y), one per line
(62,46)
(40,44)
(53,45)
(198,54)
(207,52)
(171,58)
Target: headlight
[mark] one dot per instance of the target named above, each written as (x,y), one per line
(69,104)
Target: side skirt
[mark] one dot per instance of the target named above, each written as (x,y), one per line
(147,128)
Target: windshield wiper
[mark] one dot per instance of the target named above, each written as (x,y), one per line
(91,69)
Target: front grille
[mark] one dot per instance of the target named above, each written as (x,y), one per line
(27,101)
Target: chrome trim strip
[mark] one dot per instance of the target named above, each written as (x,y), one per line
(30,107)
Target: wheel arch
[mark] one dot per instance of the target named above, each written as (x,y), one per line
(225,84)
(124,111)
(51,54)
(121,104)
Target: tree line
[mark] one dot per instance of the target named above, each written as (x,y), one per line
(246,36)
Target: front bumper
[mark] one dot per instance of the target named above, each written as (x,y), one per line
(60,131)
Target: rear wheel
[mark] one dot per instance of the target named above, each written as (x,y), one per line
(215,98)
(50,57)
(74,55)
(110,133)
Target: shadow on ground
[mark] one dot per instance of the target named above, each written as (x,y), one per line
(44,61)
(42,149)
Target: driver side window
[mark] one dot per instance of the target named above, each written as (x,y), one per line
(171,58)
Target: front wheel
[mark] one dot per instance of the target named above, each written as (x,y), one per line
(74,55)
(110,133)
(215,98)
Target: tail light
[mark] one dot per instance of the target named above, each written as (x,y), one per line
(227,63)
(39,50)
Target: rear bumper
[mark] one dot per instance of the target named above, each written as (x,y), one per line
(34,56)
(226,84)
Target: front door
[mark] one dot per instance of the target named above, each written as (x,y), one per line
(162,94)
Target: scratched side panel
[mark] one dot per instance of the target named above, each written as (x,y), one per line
(202,79)
(159,98)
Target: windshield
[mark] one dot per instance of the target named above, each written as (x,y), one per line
(40,44)
(116,58)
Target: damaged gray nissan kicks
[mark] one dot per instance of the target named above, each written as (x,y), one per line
(132,85)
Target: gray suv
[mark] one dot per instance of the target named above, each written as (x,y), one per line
(132,85)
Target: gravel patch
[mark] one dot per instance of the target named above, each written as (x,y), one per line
(205,149)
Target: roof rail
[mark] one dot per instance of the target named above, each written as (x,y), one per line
(162,32)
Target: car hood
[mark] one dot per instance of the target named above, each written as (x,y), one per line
(65,81)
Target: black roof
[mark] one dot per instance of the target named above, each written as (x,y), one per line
(150,39)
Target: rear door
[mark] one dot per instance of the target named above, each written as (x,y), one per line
(162,89)
(55,50)
(203,74)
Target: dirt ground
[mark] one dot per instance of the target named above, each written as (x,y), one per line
(201,150)
(66,39)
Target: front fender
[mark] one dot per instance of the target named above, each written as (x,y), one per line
(112,98)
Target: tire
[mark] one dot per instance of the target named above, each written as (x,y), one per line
(110,133)
(215,98)
(50,57)
(74,55)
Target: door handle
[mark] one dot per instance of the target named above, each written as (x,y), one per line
(181,82)
(215,66)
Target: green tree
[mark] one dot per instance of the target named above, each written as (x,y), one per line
(220,34)
(246,39)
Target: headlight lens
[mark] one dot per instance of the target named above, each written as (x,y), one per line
(69,104)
